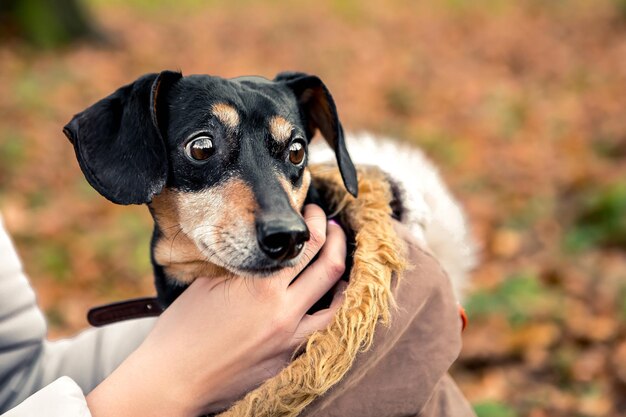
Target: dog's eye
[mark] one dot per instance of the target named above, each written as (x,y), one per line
(296,153)
(200,148)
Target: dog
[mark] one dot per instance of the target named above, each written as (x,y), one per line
(222,166)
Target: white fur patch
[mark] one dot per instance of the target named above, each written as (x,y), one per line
(435,218)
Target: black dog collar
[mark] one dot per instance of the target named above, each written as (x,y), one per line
(124,310)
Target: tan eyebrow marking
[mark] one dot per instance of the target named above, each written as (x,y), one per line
(297,195)
(226,114)
(280,128)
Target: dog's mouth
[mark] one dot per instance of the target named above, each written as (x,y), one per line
(254,264)
(259,272)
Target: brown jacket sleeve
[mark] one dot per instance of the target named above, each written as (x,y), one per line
(405,371)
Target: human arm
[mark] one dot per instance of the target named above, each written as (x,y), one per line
(28,362)
(30,365)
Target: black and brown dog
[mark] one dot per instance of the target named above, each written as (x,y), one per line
(221,164)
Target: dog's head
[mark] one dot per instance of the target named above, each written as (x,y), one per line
(220,162)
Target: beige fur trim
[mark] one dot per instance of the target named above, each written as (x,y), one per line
(329,354)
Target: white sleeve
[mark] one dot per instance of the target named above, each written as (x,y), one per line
(62,398)
(28,362)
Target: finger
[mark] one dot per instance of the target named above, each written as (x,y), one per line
(315,219)
(320,319)
(338,296)
(322,274)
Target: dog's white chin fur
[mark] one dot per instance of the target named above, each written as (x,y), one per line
(435,218)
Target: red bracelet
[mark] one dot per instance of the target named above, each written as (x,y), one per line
(464,320)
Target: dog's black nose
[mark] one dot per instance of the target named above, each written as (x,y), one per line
(282,239)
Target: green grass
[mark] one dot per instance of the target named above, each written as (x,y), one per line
(167,6)
(43,27)
(529,212)
(55,317)
(399,100)
(140,232)
(126,244)
(607,148)
(509,113)
(621,302)
(350,10)
(38,198)
(600,219)
(493,409)
(464,6)
(562,363)
(520,298)
(620,8)
(442,146)
(54,259)
(12,153)
(27,93)
(83,189)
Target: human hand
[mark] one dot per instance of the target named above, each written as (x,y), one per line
(224,336)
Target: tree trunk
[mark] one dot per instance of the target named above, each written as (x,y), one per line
(46,23)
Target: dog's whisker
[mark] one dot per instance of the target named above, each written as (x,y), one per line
(170,227)
(172,244)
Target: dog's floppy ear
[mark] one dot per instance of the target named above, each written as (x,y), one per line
(119,143)
(318,109)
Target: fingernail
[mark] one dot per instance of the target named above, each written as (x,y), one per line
(333,221)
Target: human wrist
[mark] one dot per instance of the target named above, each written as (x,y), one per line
(138,388)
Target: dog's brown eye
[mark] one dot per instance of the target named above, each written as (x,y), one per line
(199,149)
(296,153)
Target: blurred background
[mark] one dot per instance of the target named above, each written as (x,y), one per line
(522,104)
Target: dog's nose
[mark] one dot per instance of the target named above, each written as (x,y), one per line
(282,239)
